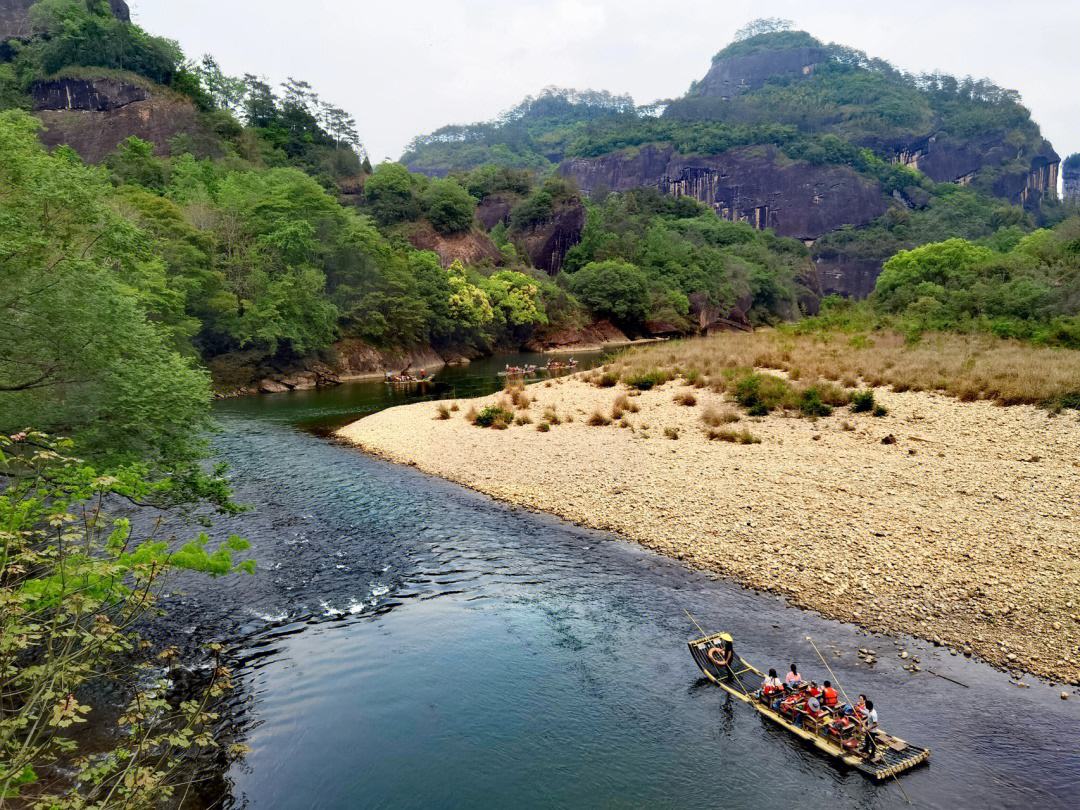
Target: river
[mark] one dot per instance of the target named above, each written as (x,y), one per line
(409,643)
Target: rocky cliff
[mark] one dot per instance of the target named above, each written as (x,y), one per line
(94,115)
(753,184)
(547,244)
(471,247)
(1070,174)
(1022,178)
(15,17)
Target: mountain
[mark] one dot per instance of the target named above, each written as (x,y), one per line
(815,141)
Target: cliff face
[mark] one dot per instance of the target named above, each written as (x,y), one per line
(93,116)
(948,160)
(548,244)
(15,17)
(1071,179)
(734,75)
(757,185)
(471,247)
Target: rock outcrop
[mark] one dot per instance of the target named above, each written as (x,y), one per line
(753,184)
(496,208)
(472,247)
(94,115)
(594,336)
(948,160)
(89,95)
(731,76)
(1070,178)
(547,244)
(15,17)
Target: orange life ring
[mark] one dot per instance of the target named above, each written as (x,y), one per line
(718,657)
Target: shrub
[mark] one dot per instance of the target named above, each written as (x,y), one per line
(608,379)
(761,393)
(455,407)
(862,401)
(881,410)
(686,398)
(523,419)
(671,433)
(471,414)
(712,417)
(442,412)
(649,380)
(735,437)
(597,419)
(543,427)
(551,416)
(493,416)
(810,403)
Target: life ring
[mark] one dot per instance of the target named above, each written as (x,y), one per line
(716,655)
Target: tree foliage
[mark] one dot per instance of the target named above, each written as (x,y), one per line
(75,583)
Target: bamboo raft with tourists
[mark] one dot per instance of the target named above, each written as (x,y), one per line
(519,371)
(404,378)
(849,733)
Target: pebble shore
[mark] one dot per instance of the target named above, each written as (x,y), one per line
(962,528)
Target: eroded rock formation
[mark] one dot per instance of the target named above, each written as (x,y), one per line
(471,247)
(948,160)
(547,244)
(1070,175)
(754,184)
(93,116)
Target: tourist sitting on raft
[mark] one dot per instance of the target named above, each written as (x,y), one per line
(797,700)
(793,679)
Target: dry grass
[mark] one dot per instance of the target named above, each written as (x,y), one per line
(597,419)
(516,396)
(964,366)
(686,398)
(714,418)
(442,411)
(734,436)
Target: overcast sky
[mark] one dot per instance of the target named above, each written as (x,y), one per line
(410,66)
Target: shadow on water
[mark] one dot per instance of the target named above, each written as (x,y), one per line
(410,643)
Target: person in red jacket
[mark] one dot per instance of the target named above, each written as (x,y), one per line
(829,697)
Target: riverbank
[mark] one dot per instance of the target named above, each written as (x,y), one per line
(954,521)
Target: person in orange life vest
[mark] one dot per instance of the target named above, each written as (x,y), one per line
(814,690)
(829,697)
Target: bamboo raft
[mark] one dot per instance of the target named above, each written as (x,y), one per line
(742,679)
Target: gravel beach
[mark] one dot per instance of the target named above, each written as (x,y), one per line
(958,522)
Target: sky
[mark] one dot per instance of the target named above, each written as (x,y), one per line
(407,67)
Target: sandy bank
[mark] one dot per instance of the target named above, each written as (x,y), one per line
(965,530)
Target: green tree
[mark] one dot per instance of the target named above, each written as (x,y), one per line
(613,289)
(391,194)
(468,302)
(79,352)
(75,583)
(448,206)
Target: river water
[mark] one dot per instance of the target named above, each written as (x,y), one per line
(410,643)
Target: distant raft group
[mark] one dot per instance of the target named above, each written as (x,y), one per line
(553,367)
